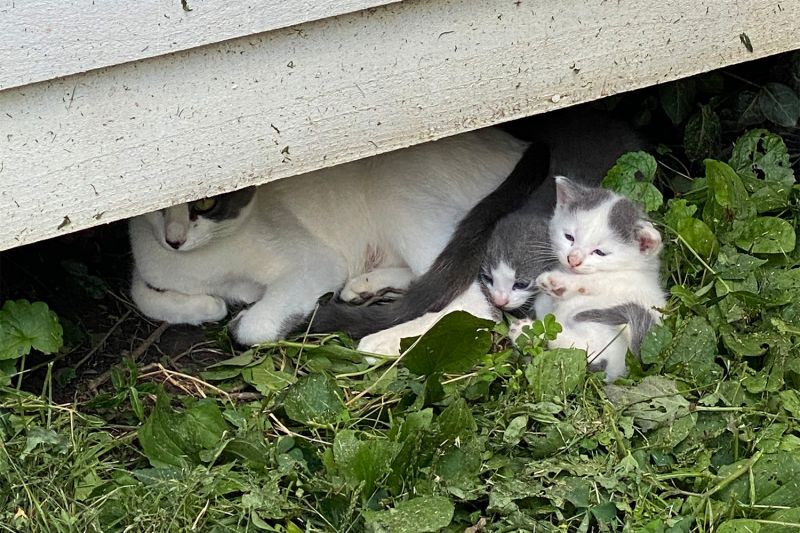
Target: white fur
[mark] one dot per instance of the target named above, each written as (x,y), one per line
(629,273)
(501,289)
(387,342)
(305,236)
(371,283)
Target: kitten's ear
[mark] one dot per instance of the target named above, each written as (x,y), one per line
(649,238)
(565,191)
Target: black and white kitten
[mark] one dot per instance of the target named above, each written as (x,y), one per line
(281,246)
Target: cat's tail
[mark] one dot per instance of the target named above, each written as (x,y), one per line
(638,319)
(456,267)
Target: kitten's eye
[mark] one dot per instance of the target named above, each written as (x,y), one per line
(599,252)
(204,206)
(486,279)
(569,237)
(520,285)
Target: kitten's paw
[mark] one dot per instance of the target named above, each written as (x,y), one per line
(383,342)
(211,308)
(515,329)
(358,289)
(552,283)
(250,328)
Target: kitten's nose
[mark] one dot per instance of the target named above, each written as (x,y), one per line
(500,300)
(176,243)
(574,260)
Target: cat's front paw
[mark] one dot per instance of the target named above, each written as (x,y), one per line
(384,343)
(552,283)
(250,328)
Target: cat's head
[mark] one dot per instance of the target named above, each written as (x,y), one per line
(189,226)
(517,252)
(596,230)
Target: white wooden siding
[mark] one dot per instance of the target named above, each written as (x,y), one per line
(46,39)
(123,140)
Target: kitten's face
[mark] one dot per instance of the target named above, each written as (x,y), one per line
(594,230)
(506,288)
(189,226)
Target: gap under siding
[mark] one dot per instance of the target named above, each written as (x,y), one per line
(120,141)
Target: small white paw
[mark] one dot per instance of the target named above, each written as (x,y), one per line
(209,309)
(383,342)
(552,283)
(515,329)
(358,289)
(250,328)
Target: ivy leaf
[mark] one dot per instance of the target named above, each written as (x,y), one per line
(767,235)
(678,98)
(418,515)
(25,326)
(779,104)
(454,344)
(315,399)
(762,160)
(632,176)
(703,134)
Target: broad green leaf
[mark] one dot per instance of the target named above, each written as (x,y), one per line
(454,344)
(313,400)
(702,136)
(7,369)
(456,423)
(176,438)
(265,379)
(779,104)
(694,232)
(762,160)
(767,235)
(733,265)
(515,430)
(654,343)
(678,98)
(39,436)
(727,189)
(740,525)
(653,403)
(556,373)
(25,325)
(774,481)
(418,515)
(693,350)
(632,176)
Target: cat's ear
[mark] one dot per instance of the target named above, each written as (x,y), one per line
(648,237)
(565,191)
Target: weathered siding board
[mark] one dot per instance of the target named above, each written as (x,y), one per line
(117,142)
(45,39)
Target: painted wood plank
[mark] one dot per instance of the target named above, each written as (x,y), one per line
(117,142)
(43,39)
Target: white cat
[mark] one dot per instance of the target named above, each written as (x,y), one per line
(281,246)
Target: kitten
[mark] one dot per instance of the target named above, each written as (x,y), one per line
(605,289)
(280,246)
(582,144)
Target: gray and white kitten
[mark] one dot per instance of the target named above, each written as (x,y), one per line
(594,265)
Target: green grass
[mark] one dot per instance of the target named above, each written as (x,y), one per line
(462,433)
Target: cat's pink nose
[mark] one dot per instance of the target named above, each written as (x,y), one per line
(500,300)
(574,260)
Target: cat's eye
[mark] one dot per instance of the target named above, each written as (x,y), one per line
(599,252)
(520,285)
(204,206)
(486,279)
(569,237)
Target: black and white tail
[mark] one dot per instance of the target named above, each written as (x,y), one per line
(456,267)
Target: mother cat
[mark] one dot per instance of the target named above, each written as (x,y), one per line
(283,245)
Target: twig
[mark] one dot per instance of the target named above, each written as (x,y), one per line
(135,354)
(97,346)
